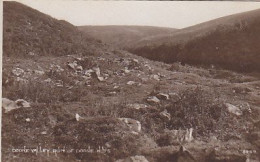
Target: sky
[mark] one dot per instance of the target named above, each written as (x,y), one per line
(151,13)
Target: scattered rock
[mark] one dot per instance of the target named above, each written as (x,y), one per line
(112,93)
(98,74)
(39,72)
(156,77)
(88,72)
(77,117)
(153,99)
(10,105)
(233,109)
(166,114)
(44,132)
(47,80)
(148,66)
(27,119)
(18,71)
(22,103)
(137,106)
(135,60)
(116,87)
(130,83)
(135,125)
(137,158)
(73,65)
(163,96)
(79,68)
(126,70)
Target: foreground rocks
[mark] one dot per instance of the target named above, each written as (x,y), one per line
(137,158)
(9,105)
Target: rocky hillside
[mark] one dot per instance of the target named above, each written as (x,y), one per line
(123,36)
(111,105)
(27,33)
(231,42)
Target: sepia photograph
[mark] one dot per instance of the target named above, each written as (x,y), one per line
(130,81)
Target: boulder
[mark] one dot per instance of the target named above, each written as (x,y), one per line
(137,158)
(153,99)
(163,96)
(22,103)
(98,74)
(73,65)
(130,83)
(9,105)
(39,72)
(133,124)
(166,114)
(137,106)
(156,77)
(233,109)
(17,71)
(78,117)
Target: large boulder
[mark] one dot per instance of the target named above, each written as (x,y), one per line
(153,100)
(9,105)
(133,124)
(233,109)
(137,158)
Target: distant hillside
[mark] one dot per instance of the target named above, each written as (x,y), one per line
(230,42)
(122,36)
(29,32)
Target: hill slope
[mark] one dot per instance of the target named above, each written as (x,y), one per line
(230,42)
(111,104)
(27,32)
(122,36)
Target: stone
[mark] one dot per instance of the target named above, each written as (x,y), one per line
(9,105)
(79,68)
(88,72)
(166,114)
(137,158)
(98,74)
(233,109)
(44,132)
(163,96)
(135,60)
(39,72)
(153,99)
(73,65)
(130,83)
(101,79)
(126,70)
(18,71)
(22,103)
(156,77)
(27,119)
(133,124)
(47,80)
(77,117)
(137,106)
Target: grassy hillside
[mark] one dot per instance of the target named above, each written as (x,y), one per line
(28,32)
(107,105)
(122,36)
(230,42)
